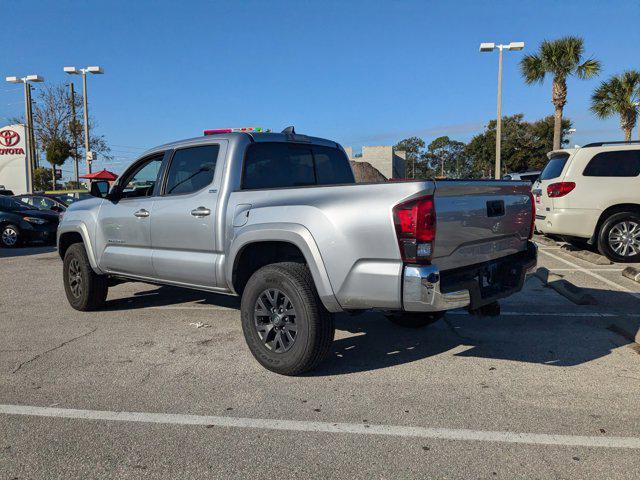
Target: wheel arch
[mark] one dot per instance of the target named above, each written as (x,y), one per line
(76,233)
(259,245)
(612,210)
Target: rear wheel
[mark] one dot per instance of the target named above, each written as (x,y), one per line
(414,319)
(619,237)
(10,236)
(285,325)
(85,289)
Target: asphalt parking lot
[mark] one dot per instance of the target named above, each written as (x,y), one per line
(160,384)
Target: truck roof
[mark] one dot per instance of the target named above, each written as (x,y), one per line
(235,136)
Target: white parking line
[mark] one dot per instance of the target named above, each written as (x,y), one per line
(591,269)
(595,275)
(327,427)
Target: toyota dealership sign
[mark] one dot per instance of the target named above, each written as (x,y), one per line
(13,158)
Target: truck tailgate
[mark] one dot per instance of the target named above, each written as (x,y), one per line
(479,221)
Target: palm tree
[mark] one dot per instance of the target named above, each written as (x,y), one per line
(619,95)
(560,58)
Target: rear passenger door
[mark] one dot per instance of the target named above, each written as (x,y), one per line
(183,220)
(609,178)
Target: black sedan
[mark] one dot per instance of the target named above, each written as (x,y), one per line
(20,222)
(42,201)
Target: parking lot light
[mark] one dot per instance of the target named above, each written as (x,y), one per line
(31,150)
(490,47)
(96,70)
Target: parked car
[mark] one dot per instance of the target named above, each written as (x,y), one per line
(279,220)
(4,191)
(20,222)
(523,176)
(71,197)
(592,194)
(43,201)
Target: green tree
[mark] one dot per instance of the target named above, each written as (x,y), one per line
(561,59)
(42,179)
(524,145)
(448,157)
(414,149)
(57,151)
(619,96)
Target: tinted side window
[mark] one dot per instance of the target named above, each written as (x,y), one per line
(191,169)
(272,165)
(614,164)
(332,166)
(141,181)
(553,169)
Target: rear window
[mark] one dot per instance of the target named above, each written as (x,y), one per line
(554,168)
(279,164)
(624,163)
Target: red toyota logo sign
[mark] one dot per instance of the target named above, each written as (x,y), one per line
(9,138)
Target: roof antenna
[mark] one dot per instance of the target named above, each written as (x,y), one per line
(289,131)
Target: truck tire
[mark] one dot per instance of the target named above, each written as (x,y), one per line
(619,237)
(85,289)
(414,319)
(285,325)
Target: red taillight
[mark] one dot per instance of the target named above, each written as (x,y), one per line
(560,189)
(415,223)
(533,215)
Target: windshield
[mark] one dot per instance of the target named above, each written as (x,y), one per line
(13,204)
(554,167)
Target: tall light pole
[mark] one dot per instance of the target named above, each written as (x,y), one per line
(31,143)
(490,47)
(83,72)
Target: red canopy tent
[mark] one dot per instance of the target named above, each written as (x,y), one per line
(101,175)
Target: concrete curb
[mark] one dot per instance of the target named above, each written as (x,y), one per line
(586,255)
(565,288)
(632,273)
(545,241)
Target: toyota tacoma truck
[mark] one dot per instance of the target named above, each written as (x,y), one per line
(277,219)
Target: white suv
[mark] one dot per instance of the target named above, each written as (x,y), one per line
(592,194)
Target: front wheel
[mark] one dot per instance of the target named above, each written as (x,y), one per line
(85,289)
(10,236)
(414,319)
(619,237)
(285,325)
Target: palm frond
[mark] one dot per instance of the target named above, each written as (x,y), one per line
(588,69)
(532,68)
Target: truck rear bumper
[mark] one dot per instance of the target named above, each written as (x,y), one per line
(426,289)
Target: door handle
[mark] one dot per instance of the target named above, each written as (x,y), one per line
(200,212)
(142,213)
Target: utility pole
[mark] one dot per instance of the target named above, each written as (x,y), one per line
(73,128)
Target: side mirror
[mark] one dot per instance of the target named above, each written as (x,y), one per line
(99,188)
(57,208)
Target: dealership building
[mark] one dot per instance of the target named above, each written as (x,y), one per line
(13,159)
(389,162)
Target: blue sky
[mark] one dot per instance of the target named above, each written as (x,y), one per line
(362,73)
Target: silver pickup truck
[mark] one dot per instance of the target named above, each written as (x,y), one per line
(279,220)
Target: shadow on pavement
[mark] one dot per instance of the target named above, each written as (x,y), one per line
(26,251)
(165,296)
(376,343)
